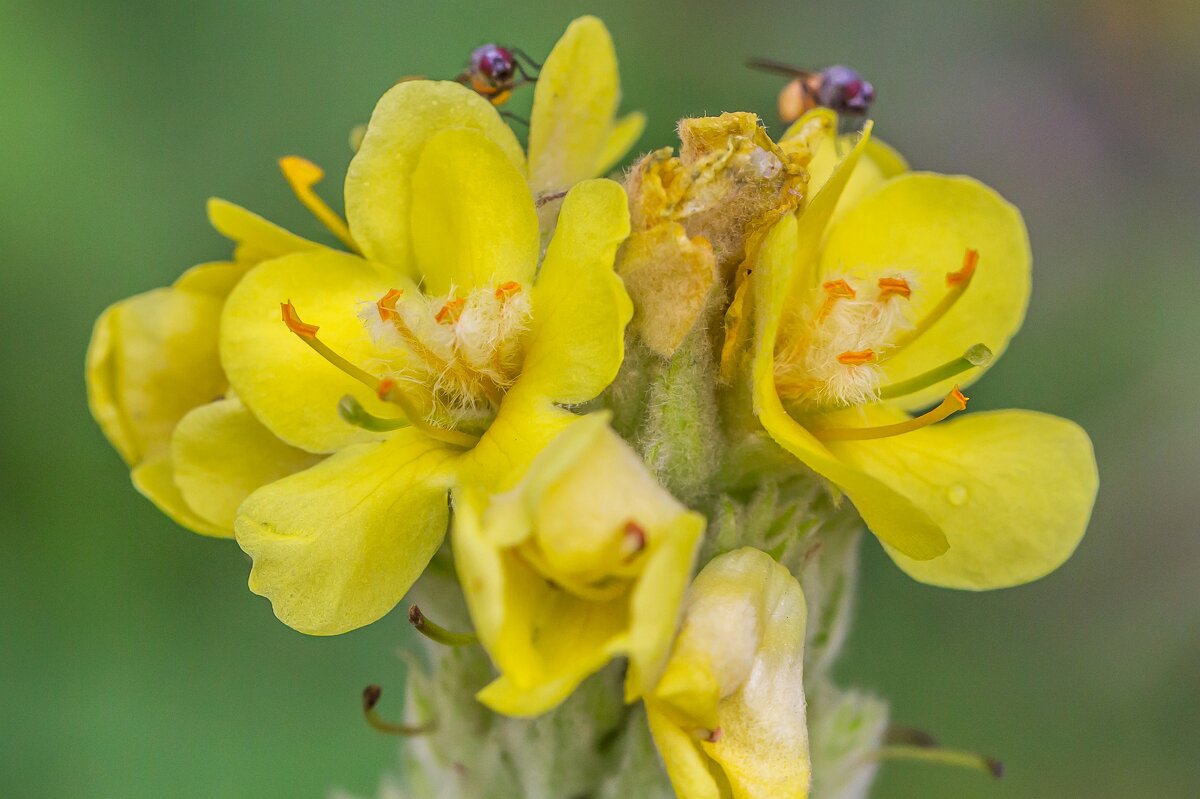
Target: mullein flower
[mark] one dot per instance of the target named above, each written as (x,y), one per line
(446,358)
(728,715)
(153,372)
(584,560)
(574,133)
(898,304)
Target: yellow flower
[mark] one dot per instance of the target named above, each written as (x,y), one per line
(878,307)
(728,715)
(153,373)
(584,560)
(573,130)
(453,358)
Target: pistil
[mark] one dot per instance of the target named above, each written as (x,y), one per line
(979,355)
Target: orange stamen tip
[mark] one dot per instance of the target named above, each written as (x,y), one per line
(449,313)
(506,290)
(898,286)
(636,535)
(295,323)
(970,260)
(839,288)
(715,736)
(856,357)
(958,397)
(385,387)
(387,304)
(300,170)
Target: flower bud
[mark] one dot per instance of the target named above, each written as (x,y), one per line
(728,715)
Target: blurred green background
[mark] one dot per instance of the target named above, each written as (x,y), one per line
(134,662)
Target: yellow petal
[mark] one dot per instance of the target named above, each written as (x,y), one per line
(221,454)
(889,515)
(879,162)
(473,219)
(923,224)
(580,308)
(379,179)
(574,637)
(1013,491)
(574,103)
(152,358)
(288,386)
(155,480)
(658,592)
(217,278)
(621,139)
(243,227)
(544,641)
(525,423)
(335,547)
(691,773)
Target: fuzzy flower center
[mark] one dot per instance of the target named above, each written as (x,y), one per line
(832,354)
(458,353)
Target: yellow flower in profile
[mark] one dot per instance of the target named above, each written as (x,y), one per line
(728,716)
(153,373)
(574,133)
(584,560)
(446,357)
(874,309)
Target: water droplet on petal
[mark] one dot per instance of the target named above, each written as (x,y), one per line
(958,495)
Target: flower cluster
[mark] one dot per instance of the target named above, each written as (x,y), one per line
(634,405)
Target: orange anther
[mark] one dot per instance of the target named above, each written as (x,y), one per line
(838,289)
(897,286)
(295,324)
(386,384)
(968,269)
(959,397)
(715,736)
(449,313)
(856,357)
(506,290)
(387,304)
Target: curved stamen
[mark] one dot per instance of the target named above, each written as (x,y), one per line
(436,632)
(979,355)
(302,174)
(308,334)
(947,757)
(957,283)
(370,698)
(953,403)
(385,388)
(352,412)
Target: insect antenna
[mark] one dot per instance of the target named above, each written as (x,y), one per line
(777,67)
